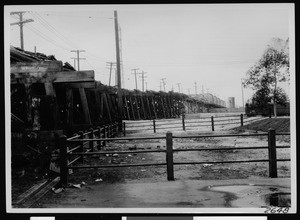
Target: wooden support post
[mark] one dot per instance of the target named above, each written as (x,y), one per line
(154,128)
(272,153)
(63,160)
(183,122)
(131,105)
(124,129)
(85,106)
(126,106)
(137,108)
(169,156)
(104,135)
(242,120)
(154,109)
(91,136)
(105,102)
(69,102)
(143,107)
(99,136)
(81,144)
(163,107)
(212,123)
(149,108)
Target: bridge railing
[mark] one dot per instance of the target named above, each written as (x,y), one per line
(66,153)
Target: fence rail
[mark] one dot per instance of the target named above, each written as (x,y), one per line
(187,124)
(65,154)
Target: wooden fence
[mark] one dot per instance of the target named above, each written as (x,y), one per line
(188,124)
(79,140)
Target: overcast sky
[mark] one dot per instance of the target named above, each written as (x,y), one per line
(213,45)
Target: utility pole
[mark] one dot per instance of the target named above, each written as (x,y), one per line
(143,79)
(164,83)
(74,61)
(21,22)
(120,102)
(195,88)
(78,51)
(135,77)
(111,64)
(242,92)
(178,84)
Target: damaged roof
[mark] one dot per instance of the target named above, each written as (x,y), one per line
(19,55)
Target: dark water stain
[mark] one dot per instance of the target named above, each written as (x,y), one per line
(278,199)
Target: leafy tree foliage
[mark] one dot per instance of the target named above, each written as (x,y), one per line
(271,68)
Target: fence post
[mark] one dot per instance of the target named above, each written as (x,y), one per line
(81,143)
(169,156)
(154,128)
(124,128)
(212,123)
(63,160)
(104,135)
(91,136)
(242,120)
(272,153)
(99,136)
(183,123)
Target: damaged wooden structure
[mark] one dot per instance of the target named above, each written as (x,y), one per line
(49,95)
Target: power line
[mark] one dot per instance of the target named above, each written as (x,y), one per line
(21,22)
(143,79)
(78,59)
(135,73)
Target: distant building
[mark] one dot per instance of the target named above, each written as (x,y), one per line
(231,102)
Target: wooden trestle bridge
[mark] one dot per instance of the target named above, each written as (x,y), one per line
(49,95)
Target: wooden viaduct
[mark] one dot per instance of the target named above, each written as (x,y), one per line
(49,95)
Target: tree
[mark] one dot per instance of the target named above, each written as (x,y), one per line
(272,67)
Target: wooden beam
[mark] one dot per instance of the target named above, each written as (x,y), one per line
(98,105)
(86,85)
(143,107)
(56,77)
(153,105)
(137,107)
(85,106)
(36,67)
(131,105)
(126,106)
(69,102)
(28,102)
(149,107)
(163,107)
(49,89)
(104,98)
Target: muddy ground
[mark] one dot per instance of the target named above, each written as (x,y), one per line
(205,171)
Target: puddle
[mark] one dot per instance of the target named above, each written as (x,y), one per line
(250,195)
(279,199)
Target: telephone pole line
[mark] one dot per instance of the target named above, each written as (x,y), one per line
(178,84)
(164,83)
(195,88)
(21,22)
(135,76)
(143,79)
(74,61)
(78,51)
(110,69)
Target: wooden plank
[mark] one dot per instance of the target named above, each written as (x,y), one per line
(85,106)
(86,85)
(104,99)
(36,67)
(49,89)
(56,77)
